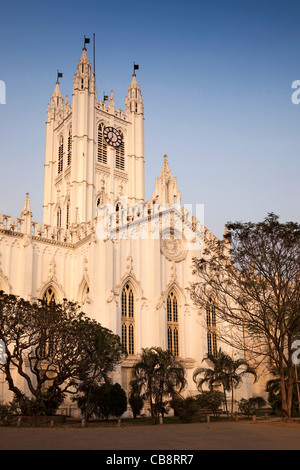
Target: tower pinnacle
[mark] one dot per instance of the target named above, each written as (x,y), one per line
(26,209)
(56,97)
(82,78)
(134,101)
(166,191)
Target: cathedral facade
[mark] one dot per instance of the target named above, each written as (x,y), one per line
(125,260)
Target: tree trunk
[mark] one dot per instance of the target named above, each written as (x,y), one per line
(16,391)
(284,404)
(225,400)
(290,386)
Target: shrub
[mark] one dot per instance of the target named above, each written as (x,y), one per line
(108,400)
(258,401)
(7,412)
(249,407)
(46,404)
(136,403)
(211,399)
(184,408)
(118,401)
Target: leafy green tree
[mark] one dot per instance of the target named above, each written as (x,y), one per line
(215,375)
(253,277)
(237,370)
(103,353)
(223,371)
(53,347)
(156,376)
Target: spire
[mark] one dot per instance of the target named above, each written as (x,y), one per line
(82,78)
(166,191)
(56,97)
(111,105)
(134,101)
(134,83)
(26,209)
(84,58)
(26,215)
(165,174)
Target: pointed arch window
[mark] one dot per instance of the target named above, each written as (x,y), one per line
(211,322)
(173,324)
(102,146)
(127,318)
(85,295)
(69,147)
(68,215)
(118,209)
(61,154)
(50,296)
(58,217)
(120,155)
(47,341)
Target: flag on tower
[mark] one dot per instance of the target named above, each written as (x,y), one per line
(59,75)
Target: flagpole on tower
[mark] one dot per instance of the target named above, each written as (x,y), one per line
(85,41)
(59,75)
(135,67)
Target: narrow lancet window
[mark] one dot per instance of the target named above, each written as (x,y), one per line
(127,318)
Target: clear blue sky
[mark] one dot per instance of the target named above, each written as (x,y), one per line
(216,82)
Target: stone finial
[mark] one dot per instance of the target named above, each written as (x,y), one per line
(111,105)
(26,209)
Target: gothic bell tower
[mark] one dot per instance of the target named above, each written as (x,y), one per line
(94,152)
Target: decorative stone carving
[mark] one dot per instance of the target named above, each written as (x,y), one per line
(110,296)
(173,249)
(52,266)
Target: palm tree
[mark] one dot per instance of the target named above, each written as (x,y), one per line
(236,371)
(224,371)
(215,375)
(157,375)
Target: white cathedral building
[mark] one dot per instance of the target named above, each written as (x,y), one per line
(127,261)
